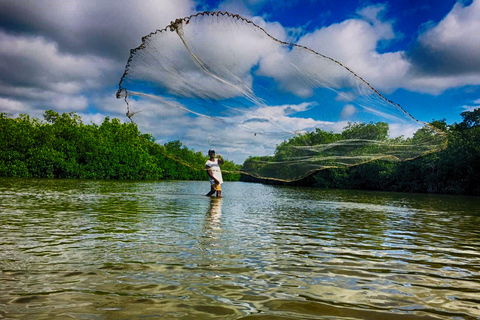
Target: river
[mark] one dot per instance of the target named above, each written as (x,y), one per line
(83,249)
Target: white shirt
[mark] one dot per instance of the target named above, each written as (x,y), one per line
(215,170)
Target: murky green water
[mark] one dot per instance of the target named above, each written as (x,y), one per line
(161,250)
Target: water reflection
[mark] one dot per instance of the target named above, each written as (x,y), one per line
(214,214)
(127,250)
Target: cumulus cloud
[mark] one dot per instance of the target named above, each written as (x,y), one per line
(276,30)
(451,46)
(354,43)
(32,60)
(59,59)
(10,106)
(37,75)
(104,28)
(446,55)
(348,111)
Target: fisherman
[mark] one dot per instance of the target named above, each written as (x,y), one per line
(214,172)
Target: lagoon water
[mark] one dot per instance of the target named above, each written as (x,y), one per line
(75,249)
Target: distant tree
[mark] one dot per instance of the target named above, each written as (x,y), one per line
(62,146)
(367,131)
(453,170)
(471,118)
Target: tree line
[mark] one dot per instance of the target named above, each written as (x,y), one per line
(62,146)
(454,170)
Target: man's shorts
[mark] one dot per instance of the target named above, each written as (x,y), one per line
(216,187)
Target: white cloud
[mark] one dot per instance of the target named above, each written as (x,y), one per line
(457,36)
(276,30)
(397,130)
(475,105)
(372,14)
(218,65)
(69,103)
(43,77)
(97,27)
(31,99)
(50,65)
(11,106)
(59,59)
(470,108)
(348,111)
(446,54)
(97,118)
(455,40)
(354,43)
(436,84)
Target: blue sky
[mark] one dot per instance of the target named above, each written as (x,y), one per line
(420,54)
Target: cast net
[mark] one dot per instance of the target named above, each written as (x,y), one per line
(217,80)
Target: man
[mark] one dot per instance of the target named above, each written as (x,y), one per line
(214,172)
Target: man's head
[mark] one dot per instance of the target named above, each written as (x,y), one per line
(211,153)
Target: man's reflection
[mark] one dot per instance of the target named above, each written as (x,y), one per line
(214,214)
(209,242)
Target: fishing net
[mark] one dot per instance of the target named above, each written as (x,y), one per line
(217,80)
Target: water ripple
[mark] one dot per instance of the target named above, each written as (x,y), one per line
(110,250)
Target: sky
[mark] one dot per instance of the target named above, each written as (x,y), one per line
(69,55)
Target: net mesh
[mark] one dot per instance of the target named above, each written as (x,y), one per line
(217,80)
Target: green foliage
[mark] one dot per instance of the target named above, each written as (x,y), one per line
(470,118)
(292,148)
(62,146)
(312,151)
(366,131)
(455,170)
